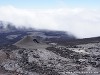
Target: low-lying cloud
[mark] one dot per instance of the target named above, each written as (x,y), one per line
(81,22)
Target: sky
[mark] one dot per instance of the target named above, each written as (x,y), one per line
(78,17)
(42,4)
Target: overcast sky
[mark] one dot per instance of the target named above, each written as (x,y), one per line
(79,17)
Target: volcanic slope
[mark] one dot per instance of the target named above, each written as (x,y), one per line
(31,56)
(31,42)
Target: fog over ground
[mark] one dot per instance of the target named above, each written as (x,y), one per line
(81,22)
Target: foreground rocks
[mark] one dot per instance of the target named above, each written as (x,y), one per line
(54,60)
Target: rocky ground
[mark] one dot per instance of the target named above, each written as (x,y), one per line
(29,57)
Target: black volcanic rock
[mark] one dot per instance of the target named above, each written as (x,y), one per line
(1,25)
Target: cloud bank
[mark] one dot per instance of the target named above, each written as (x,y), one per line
(81,22)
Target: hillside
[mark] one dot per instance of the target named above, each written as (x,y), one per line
(45,52)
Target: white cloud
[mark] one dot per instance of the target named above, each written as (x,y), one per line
(81,22)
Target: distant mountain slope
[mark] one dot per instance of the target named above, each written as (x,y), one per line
(9,34)
(82,41)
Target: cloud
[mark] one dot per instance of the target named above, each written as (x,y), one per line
(81,22)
